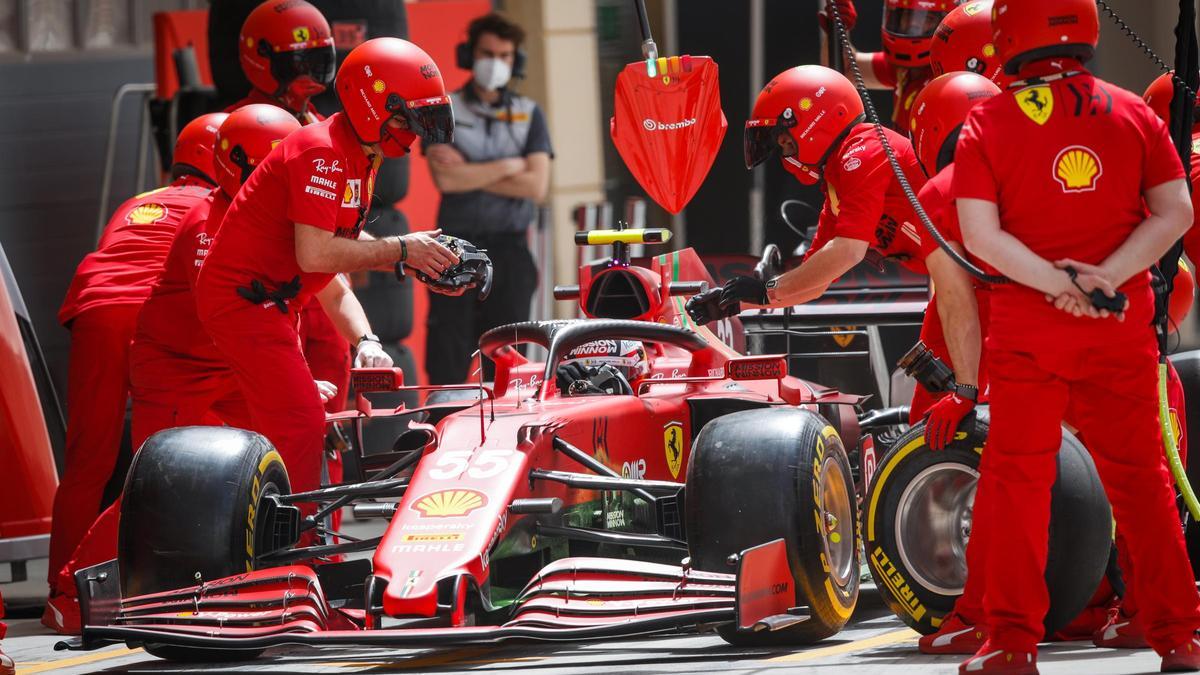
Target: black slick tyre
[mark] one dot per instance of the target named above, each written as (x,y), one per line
(917,519)
(759,475)
(189,513)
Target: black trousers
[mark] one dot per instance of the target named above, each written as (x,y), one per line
(455,324)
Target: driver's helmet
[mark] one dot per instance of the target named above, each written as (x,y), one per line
(627,357)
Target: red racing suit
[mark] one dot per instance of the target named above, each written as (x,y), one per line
(905,83)
(177,376)
(939,206)
(1072,187)
(864,201)
(327,352)
(318,176)
(100,309)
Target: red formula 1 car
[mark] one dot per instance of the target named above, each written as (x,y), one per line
(556,504)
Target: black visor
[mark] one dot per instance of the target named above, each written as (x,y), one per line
(912,23)
(760,138)
(431,119)
(318,63)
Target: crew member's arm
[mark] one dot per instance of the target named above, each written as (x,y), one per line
(453,173)
(343,309)
(1170,217)
(318,250)
(810,280)
(864,60)
(984,237)
(959,314)
(532,183)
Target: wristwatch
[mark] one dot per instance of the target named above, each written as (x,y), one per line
(967,391)
(369,337)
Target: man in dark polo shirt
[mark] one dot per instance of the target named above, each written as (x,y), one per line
(491,177)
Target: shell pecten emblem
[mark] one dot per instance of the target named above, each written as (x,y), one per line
(145,214)
(449,503)
(1077,168)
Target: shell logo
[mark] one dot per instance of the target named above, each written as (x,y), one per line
(989,50)
(378,86)
(806,104)
(144,214)
(1077,169)
(449,503)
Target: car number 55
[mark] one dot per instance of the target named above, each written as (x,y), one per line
(488,463)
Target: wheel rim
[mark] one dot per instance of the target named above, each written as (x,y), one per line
(933,524)
(837,532)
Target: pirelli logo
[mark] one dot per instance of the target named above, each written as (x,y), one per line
(425,538)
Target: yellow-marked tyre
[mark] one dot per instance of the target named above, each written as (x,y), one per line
(917,520)
(759,475)
(191,510)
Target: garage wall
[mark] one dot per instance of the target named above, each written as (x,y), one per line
(60,63)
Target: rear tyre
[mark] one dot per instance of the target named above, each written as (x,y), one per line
(917,519)
(191,512)
(759,475)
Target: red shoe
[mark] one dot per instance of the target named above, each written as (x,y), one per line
(1183,659)
(7,667)
(955,636)
(991,659)
(62,615)
(1120,632)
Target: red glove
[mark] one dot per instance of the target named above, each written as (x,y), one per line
(846,11)
(943,419)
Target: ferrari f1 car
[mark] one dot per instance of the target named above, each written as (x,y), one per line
(556,504)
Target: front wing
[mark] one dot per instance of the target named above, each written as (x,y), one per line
(574,599)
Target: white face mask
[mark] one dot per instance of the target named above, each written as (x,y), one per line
(491,74)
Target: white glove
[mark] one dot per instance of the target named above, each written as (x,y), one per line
(370,354)
(327,390)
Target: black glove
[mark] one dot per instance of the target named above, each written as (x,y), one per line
(750,289)
(568,374)
(706,306)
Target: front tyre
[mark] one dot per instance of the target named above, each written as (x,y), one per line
(759,475)
(192,512)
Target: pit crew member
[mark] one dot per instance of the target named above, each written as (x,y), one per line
(177,376)
(101,310)
(1096,359)
(812,117)
(286,50)
(1158,96)
(294,227)
(903,65)
(963,41)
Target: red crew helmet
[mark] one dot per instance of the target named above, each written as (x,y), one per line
(1031,30)
(389,78)
(815,105)
(963,41)
(245,139)
(194,148)
(1182,295)
(908,27)
(939,113)
(286,51)
(1159,94)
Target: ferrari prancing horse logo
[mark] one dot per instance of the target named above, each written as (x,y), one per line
(1036,102)
(673,446)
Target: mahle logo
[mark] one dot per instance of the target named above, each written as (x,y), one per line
(653,125)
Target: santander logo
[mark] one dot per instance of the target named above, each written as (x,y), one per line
(652,125)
